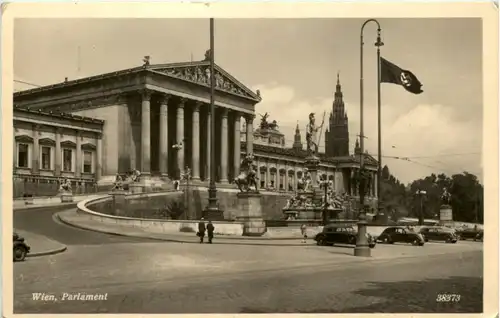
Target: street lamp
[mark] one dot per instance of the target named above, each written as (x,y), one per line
(362,248)
(186,176)
(212,209)
(325,184)
(421,194)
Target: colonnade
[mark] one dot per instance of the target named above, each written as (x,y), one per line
(197,136)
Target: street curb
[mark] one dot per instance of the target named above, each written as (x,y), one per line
(50,252)
(219,241)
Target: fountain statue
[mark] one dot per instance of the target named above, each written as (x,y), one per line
(65,191)
(315,199)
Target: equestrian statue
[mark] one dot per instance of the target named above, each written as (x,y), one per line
(248,176)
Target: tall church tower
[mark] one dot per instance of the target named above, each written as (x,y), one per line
(297,142)
(337,134)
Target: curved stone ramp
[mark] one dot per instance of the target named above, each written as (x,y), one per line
(77,220)
(41,245)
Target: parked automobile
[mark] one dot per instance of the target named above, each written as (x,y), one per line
(21,249)
(436,233)
(468,233)
(399,234)
(340,234)
(479,236)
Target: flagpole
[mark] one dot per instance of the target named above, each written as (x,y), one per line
(362,248)
(378,44)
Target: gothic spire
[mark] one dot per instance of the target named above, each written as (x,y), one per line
(297,142)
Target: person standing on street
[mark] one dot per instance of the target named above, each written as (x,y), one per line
(201,230)
(210,231)
(303,231)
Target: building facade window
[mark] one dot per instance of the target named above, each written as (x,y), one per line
(46,158)
(23,155)
(67,155)
(87,162)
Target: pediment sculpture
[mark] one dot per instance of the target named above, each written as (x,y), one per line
(201,75)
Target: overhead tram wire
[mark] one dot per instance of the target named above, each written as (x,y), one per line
(27,83)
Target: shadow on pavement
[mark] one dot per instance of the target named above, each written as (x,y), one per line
(412,297)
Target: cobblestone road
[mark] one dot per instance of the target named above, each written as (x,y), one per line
(190,278)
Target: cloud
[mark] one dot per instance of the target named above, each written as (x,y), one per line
(423,130)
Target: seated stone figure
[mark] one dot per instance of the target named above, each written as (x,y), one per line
(118,185)
(65,186)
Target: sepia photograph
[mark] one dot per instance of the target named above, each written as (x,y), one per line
(246,165)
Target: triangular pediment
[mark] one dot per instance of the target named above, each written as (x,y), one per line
(199,73)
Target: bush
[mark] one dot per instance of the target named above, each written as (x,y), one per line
(186,229)
(174,209)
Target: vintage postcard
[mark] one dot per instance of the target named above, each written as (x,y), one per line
(250,159)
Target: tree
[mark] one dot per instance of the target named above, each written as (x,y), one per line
(466,196)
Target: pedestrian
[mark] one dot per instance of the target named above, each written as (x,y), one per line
(201,230)
(210,231)
(303,231)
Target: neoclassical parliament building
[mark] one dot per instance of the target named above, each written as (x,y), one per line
(156,119)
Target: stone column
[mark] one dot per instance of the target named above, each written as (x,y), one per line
(237,144)
(98,168)
(146,133)
(196,143)
(223,147)
(78,156)
(35,160)
(58,154)
(285,186)
(163,153)
(14,153)
(268,176)
(180,136)
(257,172)
(208,147)
(295,177)
(249,133)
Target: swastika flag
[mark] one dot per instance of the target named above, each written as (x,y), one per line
(391,73)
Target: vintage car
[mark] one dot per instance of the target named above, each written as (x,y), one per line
(479,236)
(21,249)
(436,233)
(400,234)
(340,234)
(468,233)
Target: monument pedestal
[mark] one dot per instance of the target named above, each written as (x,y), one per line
(66,196)
(445,214)
(118,201)
(250,209)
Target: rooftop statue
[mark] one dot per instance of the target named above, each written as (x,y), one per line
(146,60)
(248,176)
(263,121)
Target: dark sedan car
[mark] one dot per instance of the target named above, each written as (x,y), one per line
(479,236)
(340,234)
(21,249)
(468,233)
(438,234)
(399,234)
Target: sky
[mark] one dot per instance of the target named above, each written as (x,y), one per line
(294,63)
